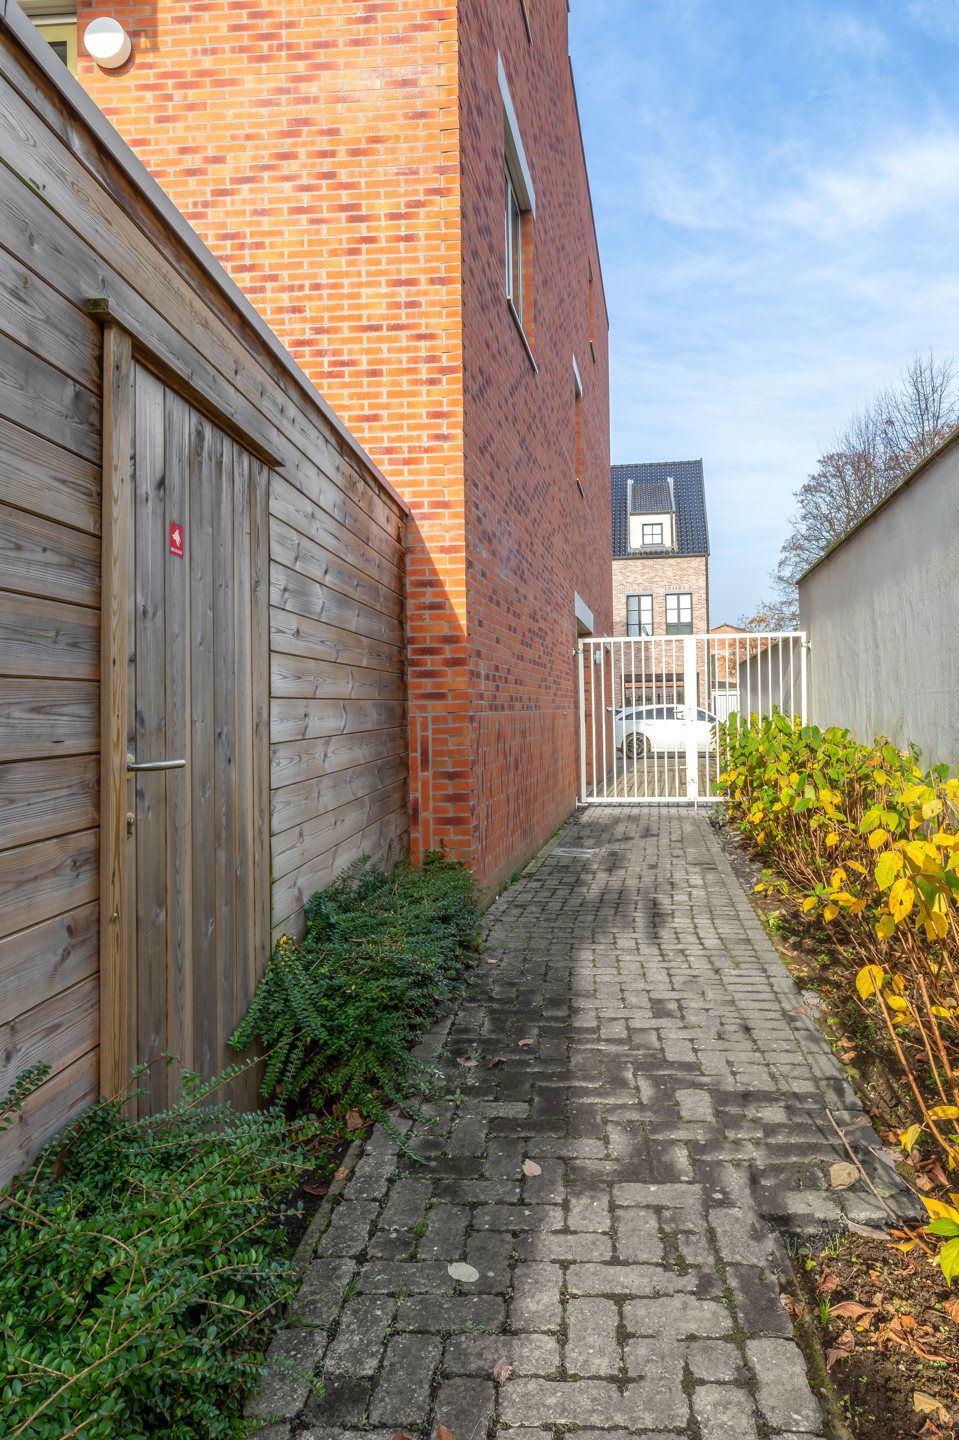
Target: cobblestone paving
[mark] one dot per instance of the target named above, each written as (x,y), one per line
(633,1034)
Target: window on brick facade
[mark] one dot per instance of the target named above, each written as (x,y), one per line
(679,613)
(653,533)
(578,425)
(514,247)
(592,313)
(61,36)
(525,9)
(639,614)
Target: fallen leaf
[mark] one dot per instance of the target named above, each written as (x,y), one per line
(401,1435)
(502,1372)
(870,1233)
(852,1310)
(843,1347)
(928,1405)
(530,1167)
(496,1060)
(342,1173)
(469,1064)
(827,1282)
(441,1433)
(842,1175)
(792,1307)
(315,1187)
(464,1273)
(524,1043)
(354,1120)
(951,1308)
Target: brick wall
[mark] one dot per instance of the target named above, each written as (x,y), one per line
(645,576)
(533,537)
(326,153)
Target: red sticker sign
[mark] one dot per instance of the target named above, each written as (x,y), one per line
(177,538)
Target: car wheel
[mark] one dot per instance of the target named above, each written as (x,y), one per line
(636,745)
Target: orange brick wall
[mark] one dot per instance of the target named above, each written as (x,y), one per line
(336,158)
(655,576)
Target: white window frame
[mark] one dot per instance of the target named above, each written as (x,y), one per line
(513,214)
(644,613)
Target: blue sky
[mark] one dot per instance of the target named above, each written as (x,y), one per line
(776,185)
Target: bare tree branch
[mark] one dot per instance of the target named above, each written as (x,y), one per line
(874,453)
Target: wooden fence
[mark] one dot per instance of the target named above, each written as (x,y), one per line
(202,709)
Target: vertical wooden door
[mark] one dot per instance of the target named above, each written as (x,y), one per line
(196,865)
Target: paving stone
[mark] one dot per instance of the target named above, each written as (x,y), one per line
(677,1315)
(637,1236)
(402,1394)
(529,1354)
(558,1245)
(627,1280)
(465,1407)
(724,1412)
(358,1344)
(785,1398)
(320,1296)
(445,1233)
(292,1359)
(589,1210)
(490,1252)
(349,1229)
(343,1401)
(536,1302)
(569,1402)
(592,1347)
(716,1360)
(451,1313)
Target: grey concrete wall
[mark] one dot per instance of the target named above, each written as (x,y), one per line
(882,615)
(771,679)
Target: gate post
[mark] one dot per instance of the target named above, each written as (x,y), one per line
(691,705)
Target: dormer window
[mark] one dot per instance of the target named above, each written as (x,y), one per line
(653,533)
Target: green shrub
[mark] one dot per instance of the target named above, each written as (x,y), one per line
(337,1013)
(138,1263)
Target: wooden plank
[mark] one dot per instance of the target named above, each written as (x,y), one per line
(39,557)
(48,958)
(45,400)
(42,798)
(292,634)
(298,804)
(47,1111)
(294,762)
(48,638)
(289,503)
(73,189)
(260,665)
(224,771)
(43,880)
(313,719)
(291,590)
(292,892)
(149,703)
(42,321)
(56,1032)
(295,677)
(42,477)
(203,793)
(179,708)
(297,848)
(49,717)
(242,971)
(292,549)
(116,986)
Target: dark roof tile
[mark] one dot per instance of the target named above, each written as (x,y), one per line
(689,494)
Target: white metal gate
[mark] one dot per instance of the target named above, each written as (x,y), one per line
(652,707)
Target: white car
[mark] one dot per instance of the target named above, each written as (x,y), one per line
(658,729)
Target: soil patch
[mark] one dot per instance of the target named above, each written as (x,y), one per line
(893,1345)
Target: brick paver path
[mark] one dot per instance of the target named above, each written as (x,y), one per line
(633,1034)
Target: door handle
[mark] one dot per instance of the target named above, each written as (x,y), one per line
(154,765)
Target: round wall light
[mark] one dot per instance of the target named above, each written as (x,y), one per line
(106,41)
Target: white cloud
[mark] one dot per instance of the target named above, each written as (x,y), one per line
(853,33)
(899,179)
(939,18)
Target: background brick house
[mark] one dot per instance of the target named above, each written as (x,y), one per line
(402,192)
(660,549)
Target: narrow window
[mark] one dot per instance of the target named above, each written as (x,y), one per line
(639,614)
(592,313)
(653,533)
(578,425)
(679,613)
(525,9)
(514,248)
